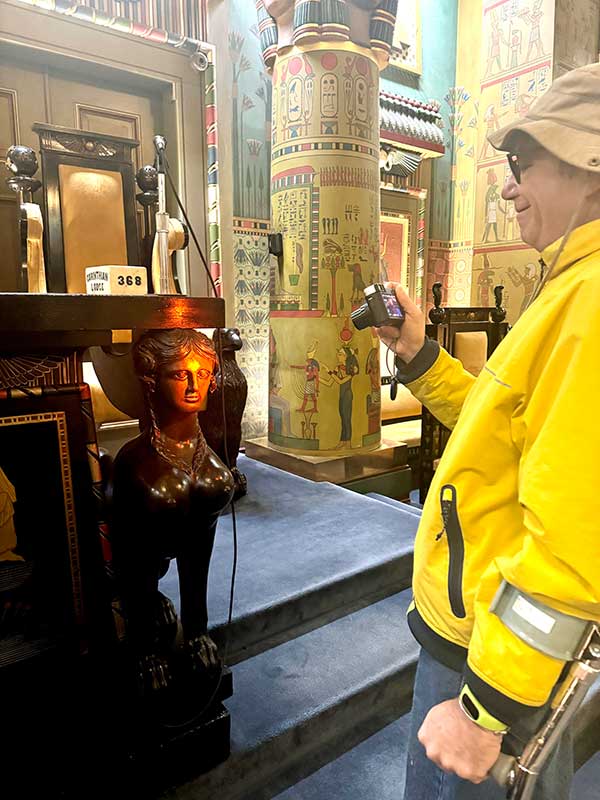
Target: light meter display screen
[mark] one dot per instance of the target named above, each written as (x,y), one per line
(392,305)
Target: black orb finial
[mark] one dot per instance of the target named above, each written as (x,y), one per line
(21,160)
(147,178)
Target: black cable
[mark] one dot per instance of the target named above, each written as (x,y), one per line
(189,224)
(227,458)
(224,415)
(215,691)
(233,518)
(220,354)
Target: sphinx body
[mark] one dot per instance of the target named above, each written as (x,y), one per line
(169,488)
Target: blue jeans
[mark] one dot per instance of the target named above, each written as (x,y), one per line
(435,683)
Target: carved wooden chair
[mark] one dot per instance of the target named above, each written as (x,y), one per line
(471,335)
(89,203)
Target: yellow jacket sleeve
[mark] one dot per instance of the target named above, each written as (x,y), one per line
(558,563)
(443,387)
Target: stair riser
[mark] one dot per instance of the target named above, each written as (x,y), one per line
(248,636)
(283,760)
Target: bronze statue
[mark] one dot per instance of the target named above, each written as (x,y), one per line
(233,383)
(169,488)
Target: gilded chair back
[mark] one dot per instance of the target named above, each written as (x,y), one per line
(89,204)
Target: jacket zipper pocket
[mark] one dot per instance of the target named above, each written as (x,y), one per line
(456,548)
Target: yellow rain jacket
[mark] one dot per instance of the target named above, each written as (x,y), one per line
(516,495)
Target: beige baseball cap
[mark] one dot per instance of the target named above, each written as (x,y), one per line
(565,120)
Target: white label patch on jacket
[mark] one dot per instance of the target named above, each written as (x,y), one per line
(543,622)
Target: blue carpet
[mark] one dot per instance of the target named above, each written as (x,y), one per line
(305,549)
(586,785)
(320,669)
(297,706)
(373,770)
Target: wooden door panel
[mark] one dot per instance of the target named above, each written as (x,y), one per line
(22,102)
(111,110)
(9,120)
(102,120)
(107,109)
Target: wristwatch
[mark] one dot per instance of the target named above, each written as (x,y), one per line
(477,713)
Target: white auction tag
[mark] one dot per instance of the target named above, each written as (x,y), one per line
(115,279)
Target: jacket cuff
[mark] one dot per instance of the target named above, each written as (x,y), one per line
(421,363)
(495,703)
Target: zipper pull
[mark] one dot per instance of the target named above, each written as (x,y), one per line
(446,505)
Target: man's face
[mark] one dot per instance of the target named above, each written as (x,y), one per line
(546,197)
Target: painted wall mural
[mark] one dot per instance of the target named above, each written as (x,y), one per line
(516,68)
(394,243)
(252,282)
(251,151)
(438,75)
(406,44)
(325,203)
(251,132)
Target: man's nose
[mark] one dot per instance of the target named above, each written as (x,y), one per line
(510,189)
(192,383)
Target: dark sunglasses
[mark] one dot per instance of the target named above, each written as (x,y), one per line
(515,168)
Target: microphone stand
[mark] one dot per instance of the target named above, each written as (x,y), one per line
(162,218)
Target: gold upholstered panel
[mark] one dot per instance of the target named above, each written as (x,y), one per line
(405,404)
(93,221)
(471,349)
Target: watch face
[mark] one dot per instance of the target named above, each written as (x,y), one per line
(469,707)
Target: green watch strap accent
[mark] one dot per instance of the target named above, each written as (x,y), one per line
(477,713)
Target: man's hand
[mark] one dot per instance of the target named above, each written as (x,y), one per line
(456,744)
(407,340)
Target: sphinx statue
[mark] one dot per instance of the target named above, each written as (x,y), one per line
(169,489)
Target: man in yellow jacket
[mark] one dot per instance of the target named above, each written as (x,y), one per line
(516,496)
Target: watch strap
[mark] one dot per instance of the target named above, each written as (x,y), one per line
(478,714)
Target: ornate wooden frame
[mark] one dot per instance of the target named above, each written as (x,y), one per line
(55,423)
(445,324)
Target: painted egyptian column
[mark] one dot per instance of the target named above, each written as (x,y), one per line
(325,58)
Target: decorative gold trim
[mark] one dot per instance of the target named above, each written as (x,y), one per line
(69,501)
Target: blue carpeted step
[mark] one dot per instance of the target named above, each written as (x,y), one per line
(586,784)
(375,768)
(300,705)
(308,553)
(390,501)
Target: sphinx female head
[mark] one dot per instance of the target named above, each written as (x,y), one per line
(177,368)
